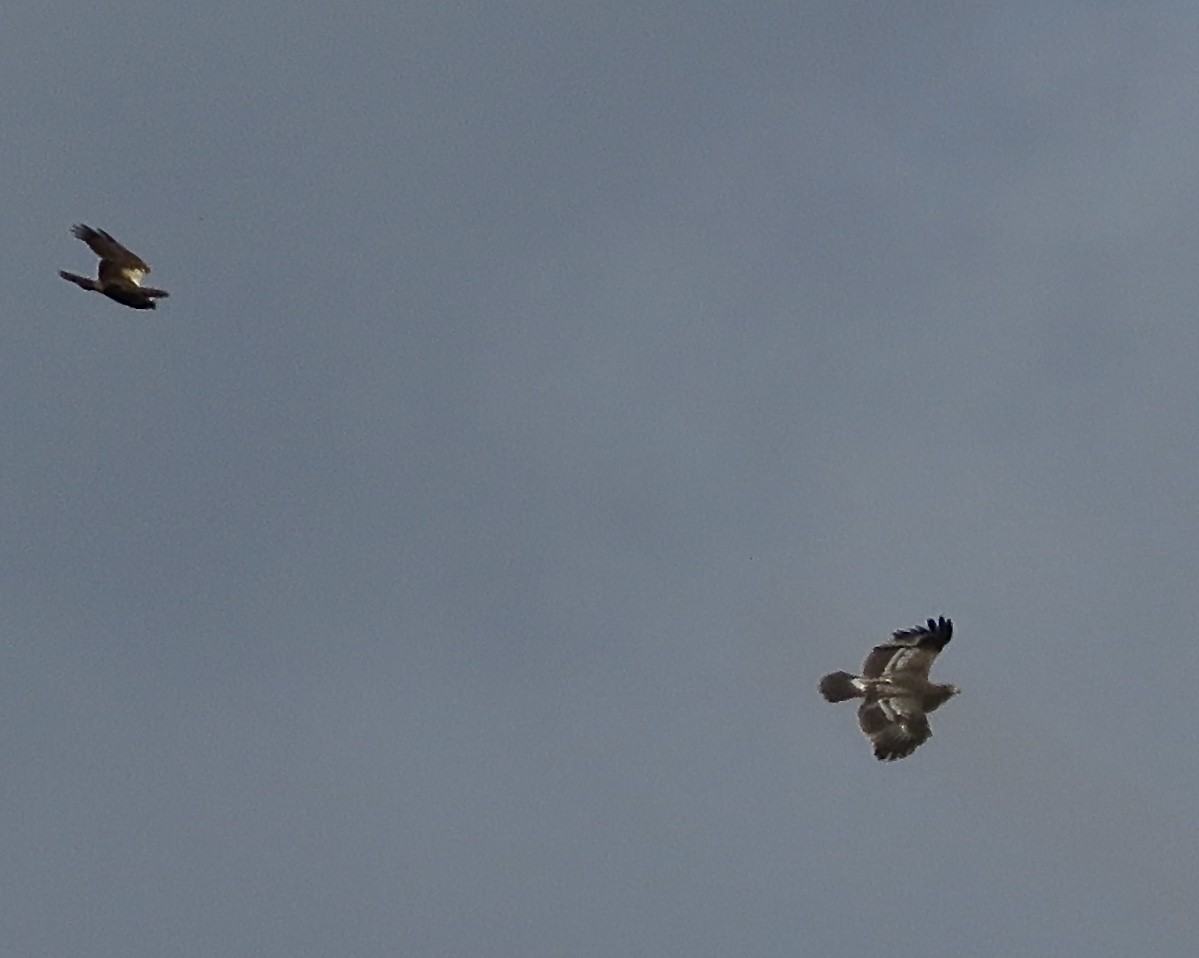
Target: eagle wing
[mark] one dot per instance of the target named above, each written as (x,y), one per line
(107,248)
(896,726)
(117,264)
(910,651)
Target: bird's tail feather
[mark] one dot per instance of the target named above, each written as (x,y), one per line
(78,280)
(839,686)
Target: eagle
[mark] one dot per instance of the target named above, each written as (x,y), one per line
(120,274)
(895,690)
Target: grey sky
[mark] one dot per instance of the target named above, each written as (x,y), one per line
(548,394)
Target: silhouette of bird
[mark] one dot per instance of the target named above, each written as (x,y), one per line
(895,689)
(120,274)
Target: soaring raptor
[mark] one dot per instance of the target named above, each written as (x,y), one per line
(120,274)
(895,690)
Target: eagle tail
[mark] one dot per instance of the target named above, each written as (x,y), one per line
(79,280)
(839,686)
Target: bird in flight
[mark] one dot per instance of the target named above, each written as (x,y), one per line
(120,274)
(895,689)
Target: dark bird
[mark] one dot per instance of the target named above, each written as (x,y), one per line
(120,274)
(895,690)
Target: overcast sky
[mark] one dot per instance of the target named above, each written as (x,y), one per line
(549,393)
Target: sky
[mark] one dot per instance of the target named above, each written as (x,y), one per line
(548,394)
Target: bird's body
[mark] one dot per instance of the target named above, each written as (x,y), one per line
(120,274)
(895,689)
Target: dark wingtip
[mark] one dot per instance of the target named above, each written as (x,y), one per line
(940,630)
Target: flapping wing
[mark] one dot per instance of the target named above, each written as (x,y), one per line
(911,650)
(896,726)
(109,250)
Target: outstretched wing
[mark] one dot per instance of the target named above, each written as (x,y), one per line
(910,651)
(896,726)
(109,250)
